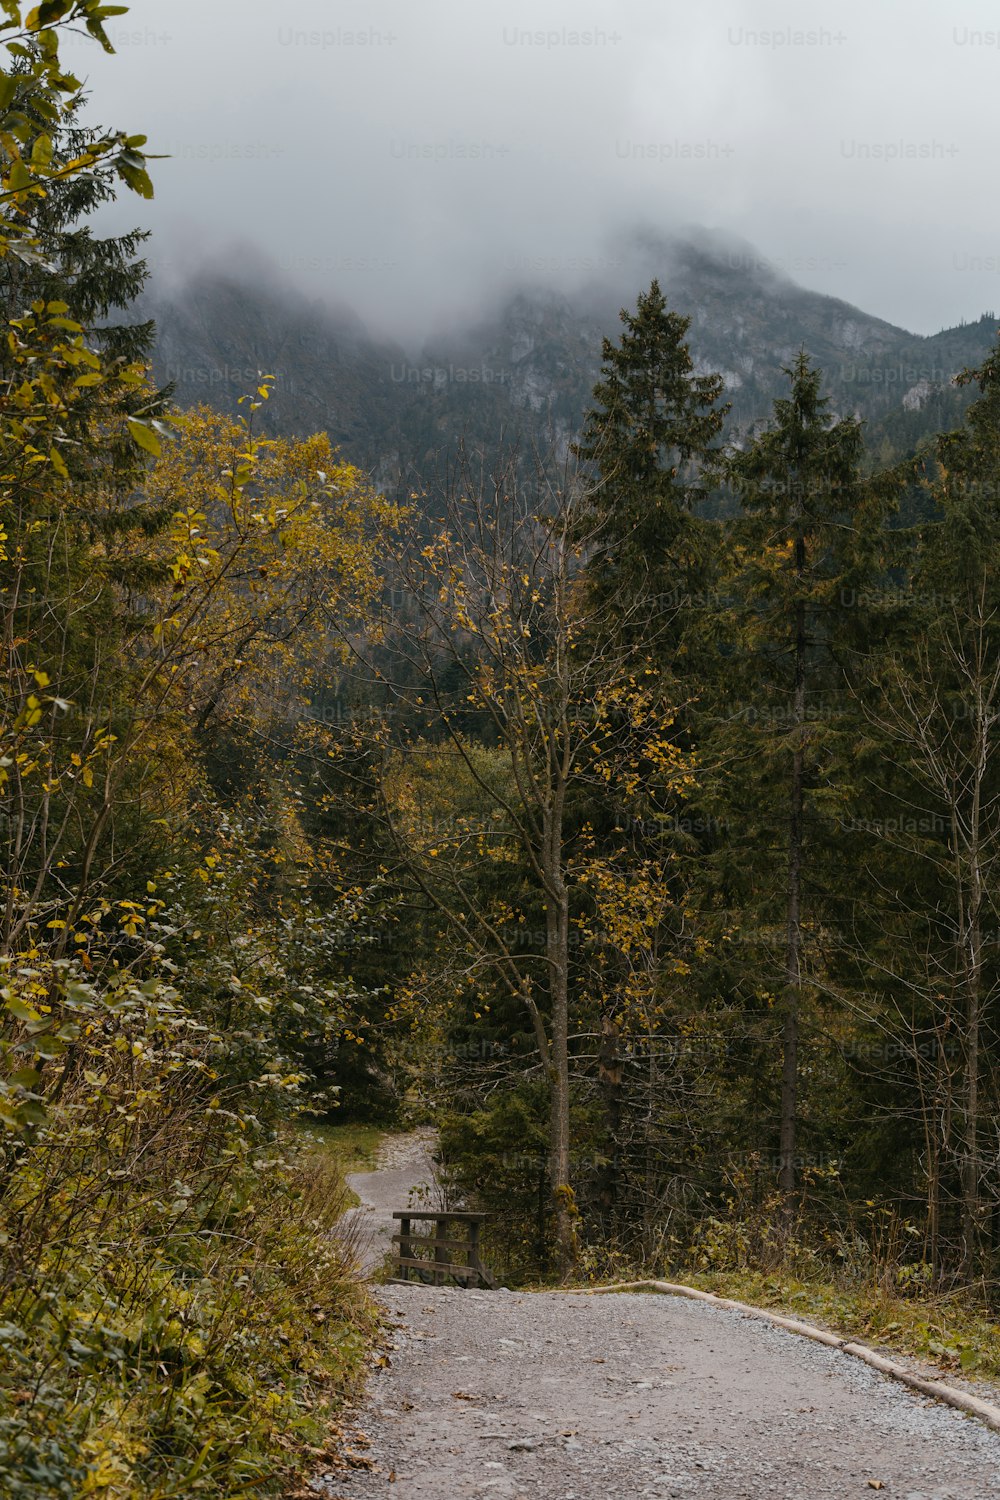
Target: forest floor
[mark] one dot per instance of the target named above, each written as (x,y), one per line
(558,1396)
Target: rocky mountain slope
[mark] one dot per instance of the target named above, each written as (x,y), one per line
(528,368)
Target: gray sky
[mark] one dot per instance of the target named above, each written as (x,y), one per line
(410,156)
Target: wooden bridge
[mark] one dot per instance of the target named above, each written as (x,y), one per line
(442,1255)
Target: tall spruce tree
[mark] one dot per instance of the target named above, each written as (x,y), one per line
(933,702)
(653,424)
(646,443)
(803,545)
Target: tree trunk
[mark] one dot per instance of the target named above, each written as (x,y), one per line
(967,837)
(793,948)
(970,1133)
(609,1070)
(973,963)
(564,1202)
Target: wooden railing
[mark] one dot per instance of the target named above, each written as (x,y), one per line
(445,1262)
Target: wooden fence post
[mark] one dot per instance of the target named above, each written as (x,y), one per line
(452,1257)
(404,1248)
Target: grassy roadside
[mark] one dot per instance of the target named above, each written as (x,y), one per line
(349,1147)
(202,1352)
(953,1332)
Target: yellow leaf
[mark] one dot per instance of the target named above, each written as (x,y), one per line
(144,436)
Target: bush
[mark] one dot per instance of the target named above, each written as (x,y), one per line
(177,1312)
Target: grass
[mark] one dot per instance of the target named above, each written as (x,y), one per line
(353,1147)
(200,1347)
(952,1331)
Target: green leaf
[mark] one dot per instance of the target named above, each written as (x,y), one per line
(8,90)
(96,29)
(41,152)
(25,1078)
(18,1008)
(49,1047)
(46,14)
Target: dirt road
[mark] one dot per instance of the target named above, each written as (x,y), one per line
(518,1396)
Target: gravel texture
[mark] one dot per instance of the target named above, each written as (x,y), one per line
(570,1397)
(546,1396)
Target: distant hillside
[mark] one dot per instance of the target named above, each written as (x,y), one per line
(529,369)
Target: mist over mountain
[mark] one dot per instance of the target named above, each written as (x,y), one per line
(526,367)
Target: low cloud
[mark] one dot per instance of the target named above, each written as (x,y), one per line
(410,162)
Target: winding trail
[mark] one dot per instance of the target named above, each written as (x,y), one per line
(568,1397)
(404,1167)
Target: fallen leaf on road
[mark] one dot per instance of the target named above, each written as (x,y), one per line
(462,1396)
(875,1484)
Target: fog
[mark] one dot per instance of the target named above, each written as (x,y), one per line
(414,160)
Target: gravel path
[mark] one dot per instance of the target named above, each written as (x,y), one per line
(519,1396)
(553,1397)
(404,1167)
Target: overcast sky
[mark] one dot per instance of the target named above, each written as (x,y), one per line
(409,156)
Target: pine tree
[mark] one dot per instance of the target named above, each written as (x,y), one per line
(653,423)
(646,443)
(99,279)
(805,540)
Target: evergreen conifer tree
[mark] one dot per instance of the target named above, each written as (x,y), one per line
(653,423)
(803,546)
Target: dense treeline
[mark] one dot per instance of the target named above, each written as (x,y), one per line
(697,820)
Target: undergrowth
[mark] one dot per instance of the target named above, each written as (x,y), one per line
(863,1279)
(179,1315)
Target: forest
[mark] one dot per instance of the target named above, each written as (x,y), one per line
(629,812)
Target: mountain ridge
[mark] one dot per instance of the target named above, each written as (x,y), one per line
(528,367)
